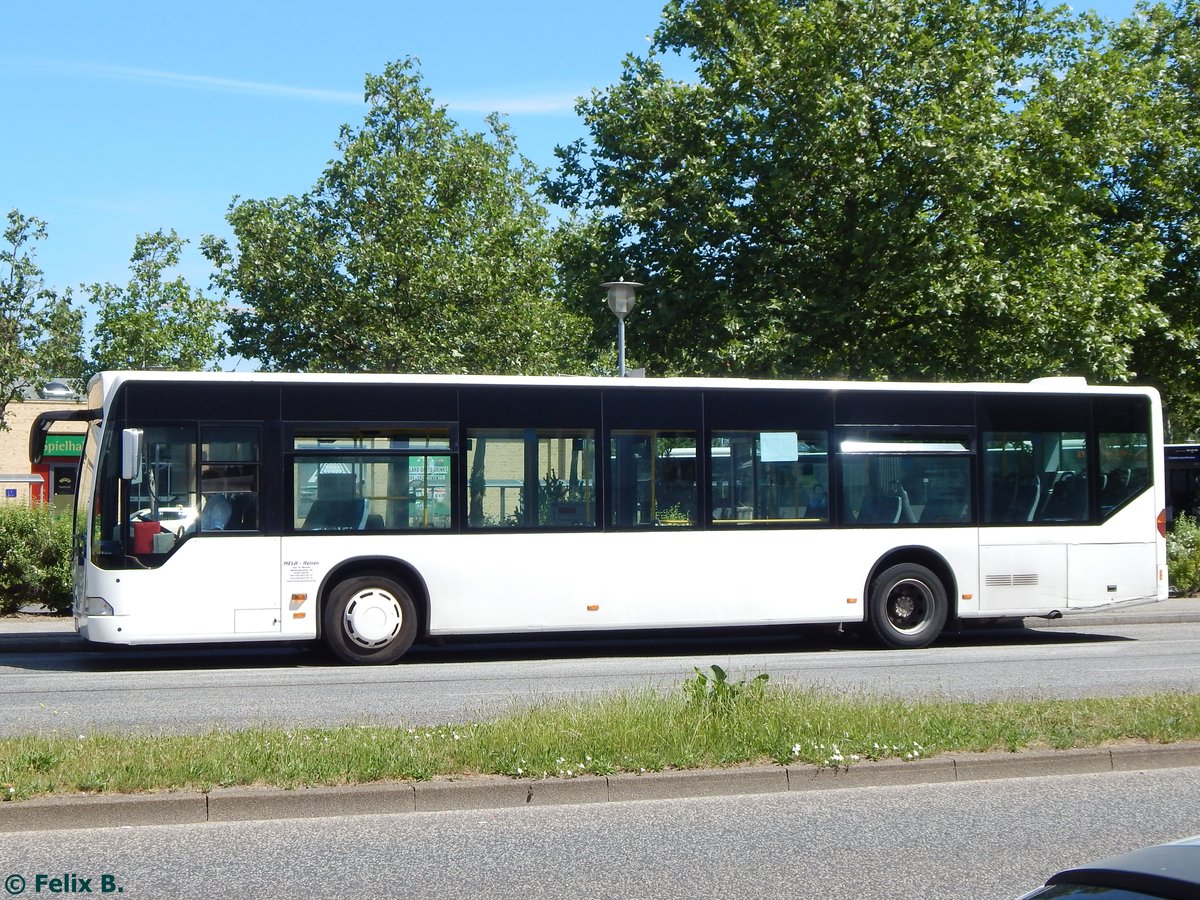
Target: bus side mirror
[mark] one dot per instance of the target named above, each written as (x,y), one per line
(131,454)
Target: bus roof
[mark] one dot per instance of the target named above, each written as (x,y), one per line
(1052,385)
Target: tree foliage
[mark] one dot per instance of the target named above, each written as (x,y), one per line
(869,188)
(421,248)
(40,331)
(1159,188)
(153,322)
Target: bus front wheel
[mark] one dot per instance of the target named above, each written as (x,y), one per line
(907,607)
(369,619)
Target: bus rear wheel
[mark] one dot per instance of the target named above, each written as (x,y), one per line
(907,608)
(369,619)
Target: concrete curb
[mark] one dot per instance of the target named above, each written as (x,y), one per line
(443,795)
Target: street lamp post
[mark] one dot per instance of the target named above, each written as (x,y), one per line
(622,295)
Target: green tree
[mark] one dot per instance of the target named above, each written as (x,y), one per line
(421,248)
(153,322)
(1158,190)
(41,333)
(866,188)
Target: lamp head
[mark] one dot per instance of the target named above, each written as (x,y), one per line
(622,295)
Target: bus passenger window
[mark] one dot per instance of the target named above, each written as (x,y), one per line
(1124,468)
(531,478)
(653,482)
(338,506)
(229,472)
(1035,476)
(391,479)
(901,477)
(768,477)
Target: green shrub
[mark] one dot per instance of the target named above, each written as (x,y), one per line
(713,692)
(35,559)
(1183,555)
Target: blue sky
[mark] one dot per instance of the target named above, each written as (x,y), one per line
(123,118)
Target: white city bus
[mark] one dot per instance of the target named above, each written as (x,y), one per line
(370,511)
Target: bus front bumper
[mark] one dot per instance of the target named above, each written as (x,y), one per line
(103,629)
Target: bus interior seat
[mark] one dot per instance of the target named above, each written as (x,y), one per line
(1003,497)
(944,509)
(1025,500)
(879,509)
(1068,499)
(245,512)
(1015,498)
(887,509)
(1116,487)
(337,506)
(906,510)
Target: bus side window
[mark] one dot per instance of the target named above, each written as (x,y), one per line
(768,477)
(899,477)
(1036,476)
(339,506)
(229,477)
(653,482)
(531,478)
(1123,464)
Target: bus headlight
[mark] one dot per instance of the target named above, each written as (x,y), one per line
(97,606)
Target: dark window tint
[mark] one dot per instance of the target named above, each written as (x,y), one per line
(1035,476)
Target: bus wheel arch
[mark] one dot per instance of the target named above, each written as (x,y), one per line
(372,610)
(910,598)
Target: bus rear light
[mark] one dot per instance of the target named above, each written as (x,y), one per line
(1162,523)
(97,606)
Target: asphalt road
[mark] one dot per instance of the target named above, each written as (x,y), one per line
(983,840)
(68,689)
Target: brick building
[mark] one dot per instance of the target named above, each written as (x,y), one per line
(54,479)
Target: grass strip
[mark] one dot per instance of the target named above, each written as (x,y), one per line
(710,723)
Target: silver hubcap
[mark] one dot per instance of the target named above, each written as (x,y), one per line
(373,618)
(910,606)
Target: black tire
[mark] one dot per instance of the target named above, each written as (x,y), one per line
(907,607)
(369,619)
